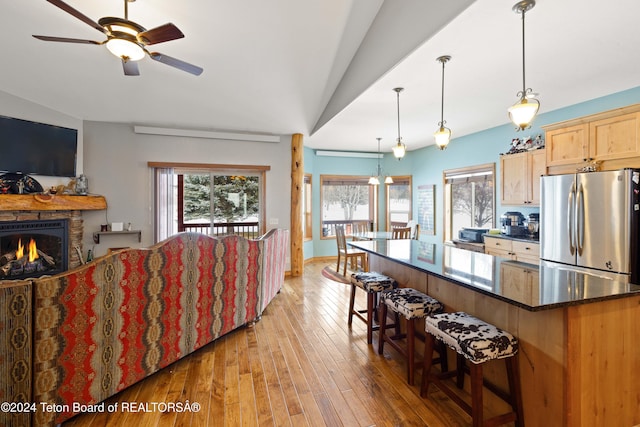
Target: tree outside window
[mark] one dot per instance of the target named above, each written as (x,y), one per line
(469,199)
(346,200)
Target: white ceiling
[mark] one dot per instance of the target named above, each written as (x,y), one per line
(324,68)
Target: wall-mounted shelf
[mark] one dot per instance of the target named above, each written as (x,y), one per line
(97,234)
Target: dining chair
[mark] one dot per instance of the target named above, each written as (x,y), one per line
(349,254)
(360,228)
(401,233)
(415,229)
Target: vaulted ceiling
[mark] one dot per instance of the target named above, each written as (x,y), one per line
(324,68)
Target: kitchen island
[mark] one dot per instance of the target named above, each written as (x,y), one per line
(579,342)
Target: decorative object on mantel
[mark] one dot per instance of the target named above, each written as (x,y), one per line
(520,145)
(17,183)
(82,185)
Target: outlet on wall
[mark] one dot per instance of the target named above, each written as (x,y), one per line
(273,221)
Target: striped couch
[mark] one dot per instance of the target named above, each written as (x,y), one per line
(110,323)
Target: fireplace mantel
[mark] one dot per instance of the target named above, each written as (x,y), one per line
(56,202)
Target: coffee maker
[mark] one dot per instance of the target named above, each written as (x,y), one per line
(512,224)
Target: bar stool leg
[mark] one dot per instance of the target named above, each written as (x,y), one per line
(460,370)
(426,364)
(383,326)
(513,373)
(476,394)
(352,300)
(411,333)
(370,303)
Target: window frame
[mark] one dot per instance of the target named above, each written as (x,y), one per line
(220,169)
(403,178)
(447,207)
(360,180)
(307,207)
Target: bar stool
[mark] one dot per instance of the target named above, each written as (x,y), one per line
(372,283)
(413,305)
(478,342)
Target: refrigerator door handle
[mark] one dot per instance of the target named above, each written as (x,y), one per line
(571,219)
(580,220)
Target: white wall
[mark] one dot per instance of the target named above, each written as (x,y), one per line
(12,106)
(115,162)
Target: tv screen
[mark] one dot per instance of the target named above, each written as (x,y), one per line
(37,148)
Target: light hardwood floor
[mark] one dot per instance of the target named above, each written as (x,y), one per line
(299,365)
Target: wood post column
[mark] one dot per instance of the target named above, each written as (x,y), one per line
(297,182)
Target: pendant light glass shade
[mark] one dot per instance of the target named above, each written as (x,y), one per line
(399,149)
(442,135)
(524,111)
(375,179)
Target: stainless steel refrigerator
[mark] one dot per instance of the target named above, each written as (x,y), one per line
(590,220)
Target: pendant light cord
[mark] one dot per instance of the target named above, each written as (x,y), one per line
(524,85)
(398,97)
(442,98)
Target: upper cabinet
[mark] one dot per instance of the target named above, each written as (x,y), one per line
(608,140)
(520,177)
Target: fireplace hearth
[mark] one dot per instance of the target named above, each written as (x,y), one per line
(33,248)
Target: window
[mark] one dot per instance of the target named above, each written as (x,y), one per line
(469,199)
(346,200)
(209,199)
(306,208)
(398,196)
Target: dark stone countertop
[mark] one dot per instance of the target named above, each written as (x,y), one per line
(556,285)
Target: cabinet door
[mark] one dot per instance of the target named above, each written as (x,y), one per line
(497,246)
(537,166)
(526,251)
(515,282)
(567,146)
(513,175)
(615,137)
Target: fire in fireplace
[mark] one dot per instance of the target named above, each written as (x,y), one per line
(32,248)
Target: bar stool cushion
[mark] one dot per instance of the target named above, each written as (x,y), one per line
(476,340)
(411,303)
(372,281)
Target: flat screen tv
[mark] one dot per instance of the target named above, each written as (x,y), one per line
(37,148)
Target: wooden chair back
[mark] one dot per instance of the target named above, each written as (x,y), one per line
(401,233)
(341,239)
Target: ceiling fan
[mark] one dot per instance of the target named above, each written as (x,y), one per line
(127,40)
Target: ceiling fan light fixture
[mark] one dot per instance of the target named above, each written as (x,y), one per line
(126,49)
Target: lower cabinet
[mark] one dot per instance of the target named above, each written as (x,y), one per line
(520,283)
(517,250)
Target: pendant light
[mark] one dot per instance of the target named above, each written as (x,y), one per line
(523,112)
(399,149)
(442,135)
(375,178)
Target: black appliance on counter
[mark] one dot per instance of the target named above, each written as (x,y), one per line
(512,224)
(473,235)
(533,225)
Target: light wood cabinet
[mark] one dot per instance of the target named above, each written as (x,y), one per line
(520,283)
(610,140)
(520,177)
(517,250)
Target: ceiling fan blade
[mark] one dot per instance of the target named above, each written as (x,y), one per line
(163,33)
(66,40)
(62,5)
(130,68)
(184,66)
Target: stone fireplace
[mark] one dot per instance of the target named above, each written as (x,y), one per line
(47,209)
